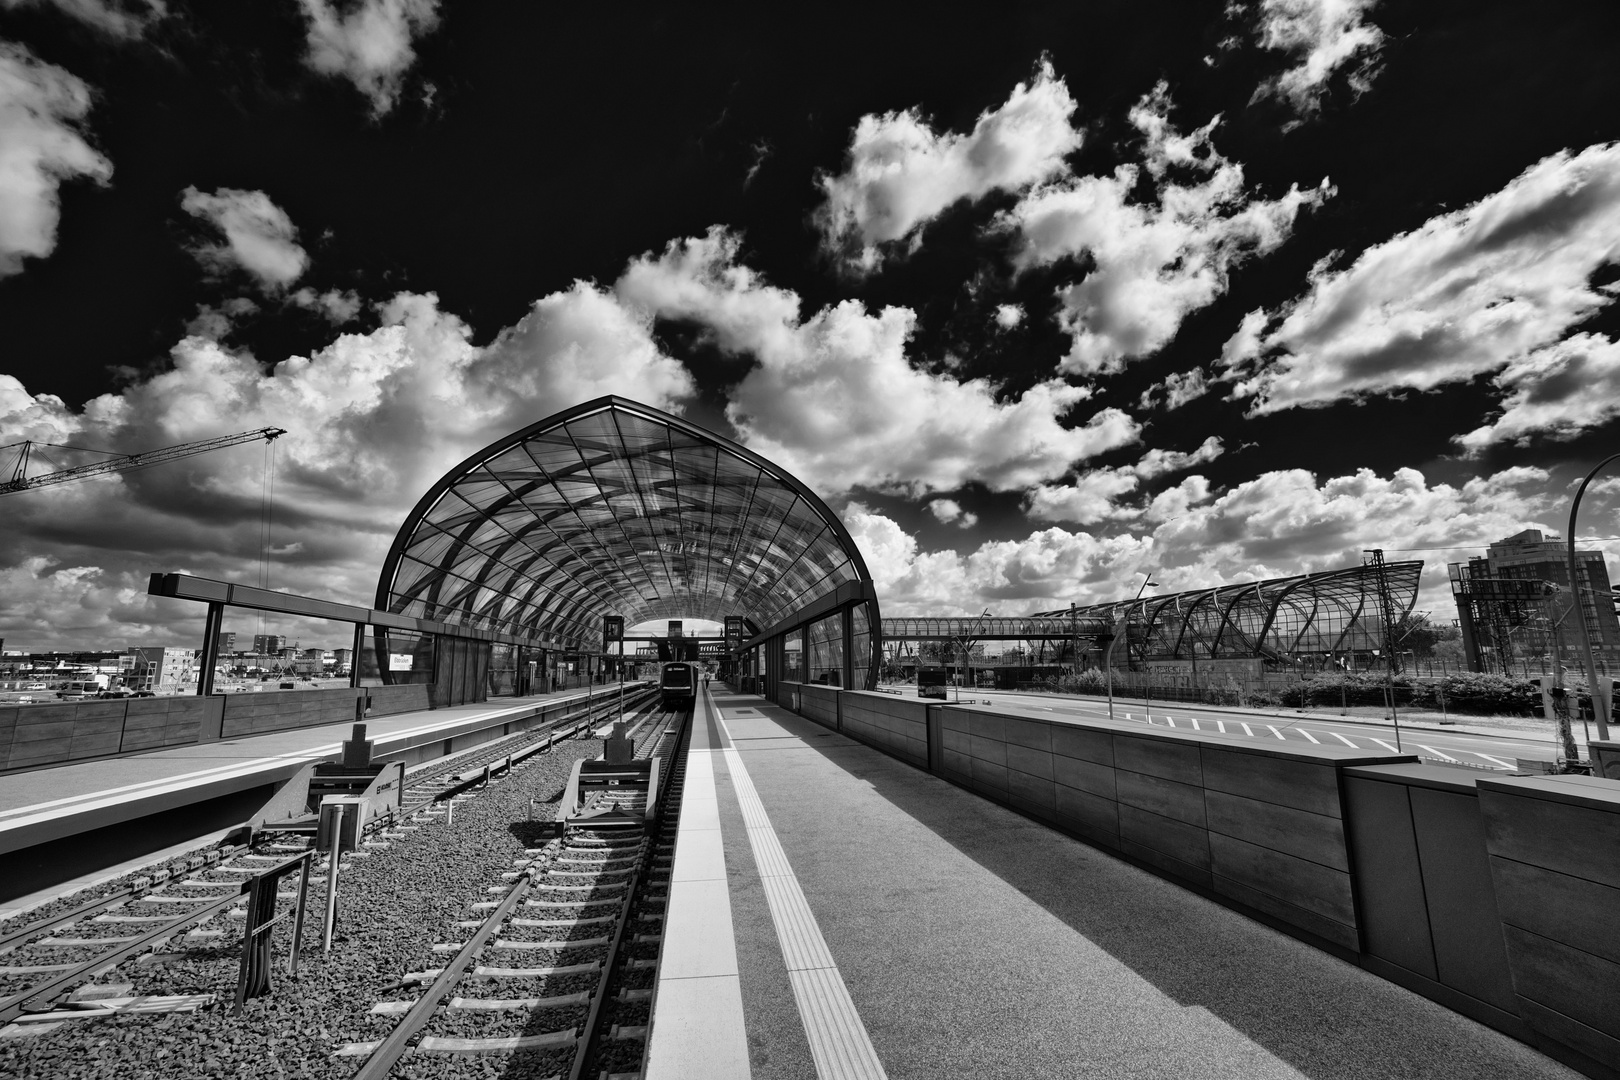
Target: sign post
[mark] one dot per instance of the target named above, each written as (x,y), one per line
(613,630)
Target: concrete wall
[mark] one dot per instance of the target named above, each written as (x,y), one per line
(819,703)
(1495,895)
(1257,825)
(1554,846)
(1429,914)
(32,736)
(895,724)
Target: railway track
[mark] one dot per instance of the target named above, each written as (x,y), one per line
(49,966)
(546,969)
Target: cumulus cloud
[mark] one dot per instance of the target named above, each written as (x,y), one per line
(1557,392)
(1322,36)
(1470,292)
(946,511)
(1098,495)
(1009,315)
(41,107)
(1157,462)
(1044,570)
(121,20)
(1176,390)
(372,420)
(370,45)
(259,236)
(1280,523)
(1289,522)
(1153,262)
(901,174)
(1093,496)
(339,306)
(836,399)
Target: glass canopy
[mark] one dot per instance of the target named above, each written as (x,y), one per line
(615,508)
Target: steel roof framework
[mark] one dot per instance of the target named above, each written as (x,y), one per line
(613,507)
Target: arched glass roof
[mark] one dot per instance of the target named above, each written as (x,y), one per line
(615,508)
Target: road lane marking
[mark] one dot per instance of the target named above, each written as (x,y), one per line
(1499,761)
(1344,740)
(1195,725)
(1247,730)
(1222,724)
(1307,734)
(1279,734)
(1437,753)
(1387,746)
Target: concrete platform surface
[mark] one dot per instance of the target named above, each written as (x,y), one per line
(961,939)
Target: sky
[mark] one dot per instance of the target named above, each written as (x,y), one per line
(1043,301)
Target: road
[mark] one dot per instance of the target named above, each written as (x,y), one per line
(1497,752)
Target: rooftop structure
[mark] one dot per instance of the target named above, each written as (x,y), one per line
(613,507)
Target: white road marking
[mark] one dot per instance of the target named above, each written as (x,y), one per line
(1197,728)
(1169,720)
(1277,733)
(1499,761)
(1441,754)
(1307,734)
(1344,740)
(1247,730)
(1222,723)
(1391,747)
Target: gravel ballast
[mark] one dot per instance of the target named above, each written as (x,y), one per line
(395,904)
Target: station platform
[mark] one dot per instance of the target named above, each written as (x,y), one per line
(835,912)
(178,794)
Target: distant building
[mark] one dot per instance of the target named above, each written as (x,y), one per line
(161,668)
(226,642)
(267,644)
(314,654)
(1507,610)
(341,658)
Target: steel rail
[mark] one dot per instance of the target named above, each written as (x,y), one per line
(590,1033)
(142,883)
(392,1048)
(13,1006)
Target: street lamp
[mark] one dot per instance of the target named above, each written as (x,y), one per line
(1600,706)
(967,655)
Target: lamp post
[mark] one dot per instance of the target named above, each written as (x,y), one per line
(967,653)
(1600,706)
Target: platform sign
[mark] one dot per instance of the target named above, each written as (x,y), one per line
(612,628)
(399,661)
(734,631)
(675,628)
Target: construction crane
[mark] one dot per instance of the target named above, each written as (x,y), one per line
(20,481)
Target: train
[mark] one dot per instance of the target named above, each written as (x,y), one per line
(678,684)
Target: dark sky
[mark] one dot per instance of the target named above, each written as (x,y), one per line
(1431,350)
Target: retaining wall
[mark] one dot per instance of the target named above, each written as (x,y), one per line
(1493,894)
(1554,845)
(894,724)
